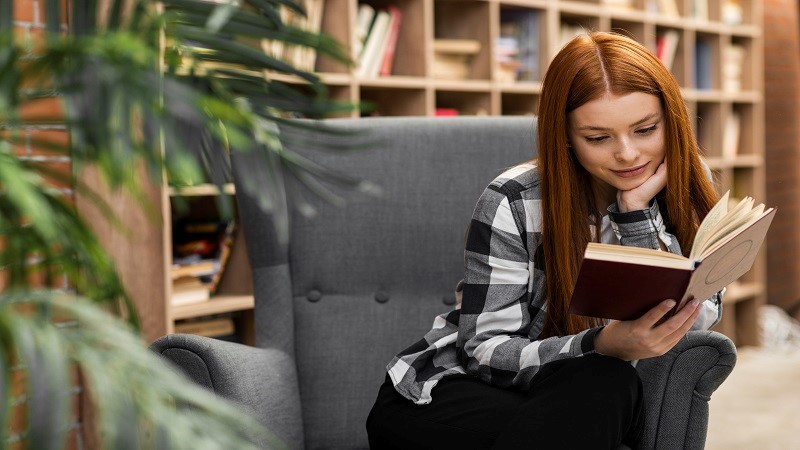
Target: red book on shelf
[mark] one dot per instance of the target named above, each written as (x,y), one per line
(391,40)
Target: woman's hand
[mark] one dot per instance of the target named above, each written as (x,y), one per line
(646,337)
(640,196)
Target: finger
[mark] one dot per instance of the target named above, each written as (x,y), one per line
(693,309)
(650,318)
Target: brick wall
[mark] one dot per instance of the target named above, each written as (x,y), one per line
(782,104)
(42,123)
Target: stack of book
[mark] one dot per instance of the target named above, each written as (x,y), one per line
(732,13)
(200,254)
(452,58)
(376,35)
(732,63)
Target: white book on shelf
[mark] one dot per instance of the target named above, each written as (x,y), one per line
(668,8)
(363,20)
(730,135)
(374,44)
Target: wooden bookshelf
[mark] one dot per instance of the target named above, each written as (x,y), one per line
(412,90)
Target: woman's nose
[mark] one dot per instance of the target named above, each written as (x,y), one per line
(626,151)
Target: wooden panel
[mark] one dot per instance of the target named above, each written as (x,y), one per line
(140,250)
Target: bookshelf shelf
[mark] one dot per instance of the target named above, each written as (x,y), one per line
(411,89)
(217,305)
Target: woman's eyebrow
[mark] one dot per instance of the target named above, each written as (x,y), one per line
(638,122)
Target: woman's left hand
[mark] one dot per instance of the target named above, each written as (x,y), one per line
(640,196)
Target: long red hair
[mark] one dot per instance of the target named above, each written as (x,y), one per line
(586,68)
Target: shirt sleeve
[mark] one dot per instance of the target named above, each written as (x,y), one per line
(644,228)
(502,310)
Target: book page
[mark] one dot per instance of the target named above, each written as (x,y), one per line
(709,221)
(740,214)
(636,255)
(731,259)
(734,229)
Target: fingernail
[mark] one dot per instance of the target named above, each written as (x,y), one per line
(670,303)
(695,303)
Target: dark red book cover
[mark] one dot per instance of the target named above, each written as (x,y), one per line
(624,291)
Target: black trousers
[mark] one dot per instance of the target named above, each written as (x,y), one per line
(591,402)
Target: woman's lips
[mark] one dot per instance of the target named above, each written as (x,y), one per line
(629,173)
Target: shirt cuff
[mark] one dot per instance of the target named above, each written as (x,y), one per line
(639,228)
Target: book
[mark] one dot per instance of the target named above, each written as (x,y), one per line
(703,71)
(391,41)
(730,135)
(373,46)
(667,46)
(623,283)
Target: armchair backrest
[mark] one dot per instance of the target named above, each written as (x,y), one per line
(357,284)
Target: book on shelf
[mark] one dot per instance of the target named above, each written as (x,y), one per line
(390,47)
(667,47)
(703,65)
(189,289)
(730,135)
(623,283)
(301,57)
(364,18)
(446,112)
(699,10)
(368,62)
(517,48)
(732,63)
(210,327)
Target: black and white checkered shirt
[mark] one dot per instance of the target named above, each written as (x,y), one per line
(495,334)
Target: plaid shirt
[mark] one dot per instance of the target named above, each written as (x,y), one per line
(495,333)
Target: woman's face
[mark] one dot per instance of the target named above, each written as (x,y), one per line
(619,140)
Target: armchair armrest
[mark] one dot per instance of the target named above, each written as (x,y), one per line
(263,381)
(678,386)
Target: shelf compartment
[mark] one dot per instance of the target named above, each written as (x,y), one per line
(394,101)
(473,18)
(708,129)
(518,104)
(464,102)
(409,51)
(336,23)
(739,291)
(633,29)
(518,51)
(706,72)
(572,24)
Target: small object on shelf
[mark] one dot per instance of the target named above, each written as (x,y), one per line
(452,58)
(517,48)
(732,13)
(732,63)
(446,112)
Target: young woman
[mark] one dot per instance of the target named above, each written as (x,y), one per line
(618,163)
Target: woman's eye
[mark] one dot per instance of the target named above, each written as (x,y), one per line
(647,130)
(597,138)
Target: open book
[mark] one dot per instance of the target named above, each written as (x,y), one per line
(618,282)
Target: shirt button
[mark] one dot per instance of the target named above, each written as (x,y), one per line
(381,297)
(449,300)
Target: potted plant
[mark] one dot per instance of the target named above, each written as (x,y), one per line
(130,75)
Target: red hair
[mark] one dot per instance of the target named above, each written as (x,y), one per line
(586,68)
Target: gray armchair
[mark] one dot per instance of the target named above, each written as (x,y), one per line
(358,284)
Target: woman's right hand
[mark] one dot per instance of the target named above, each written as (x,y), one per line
(647,336)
